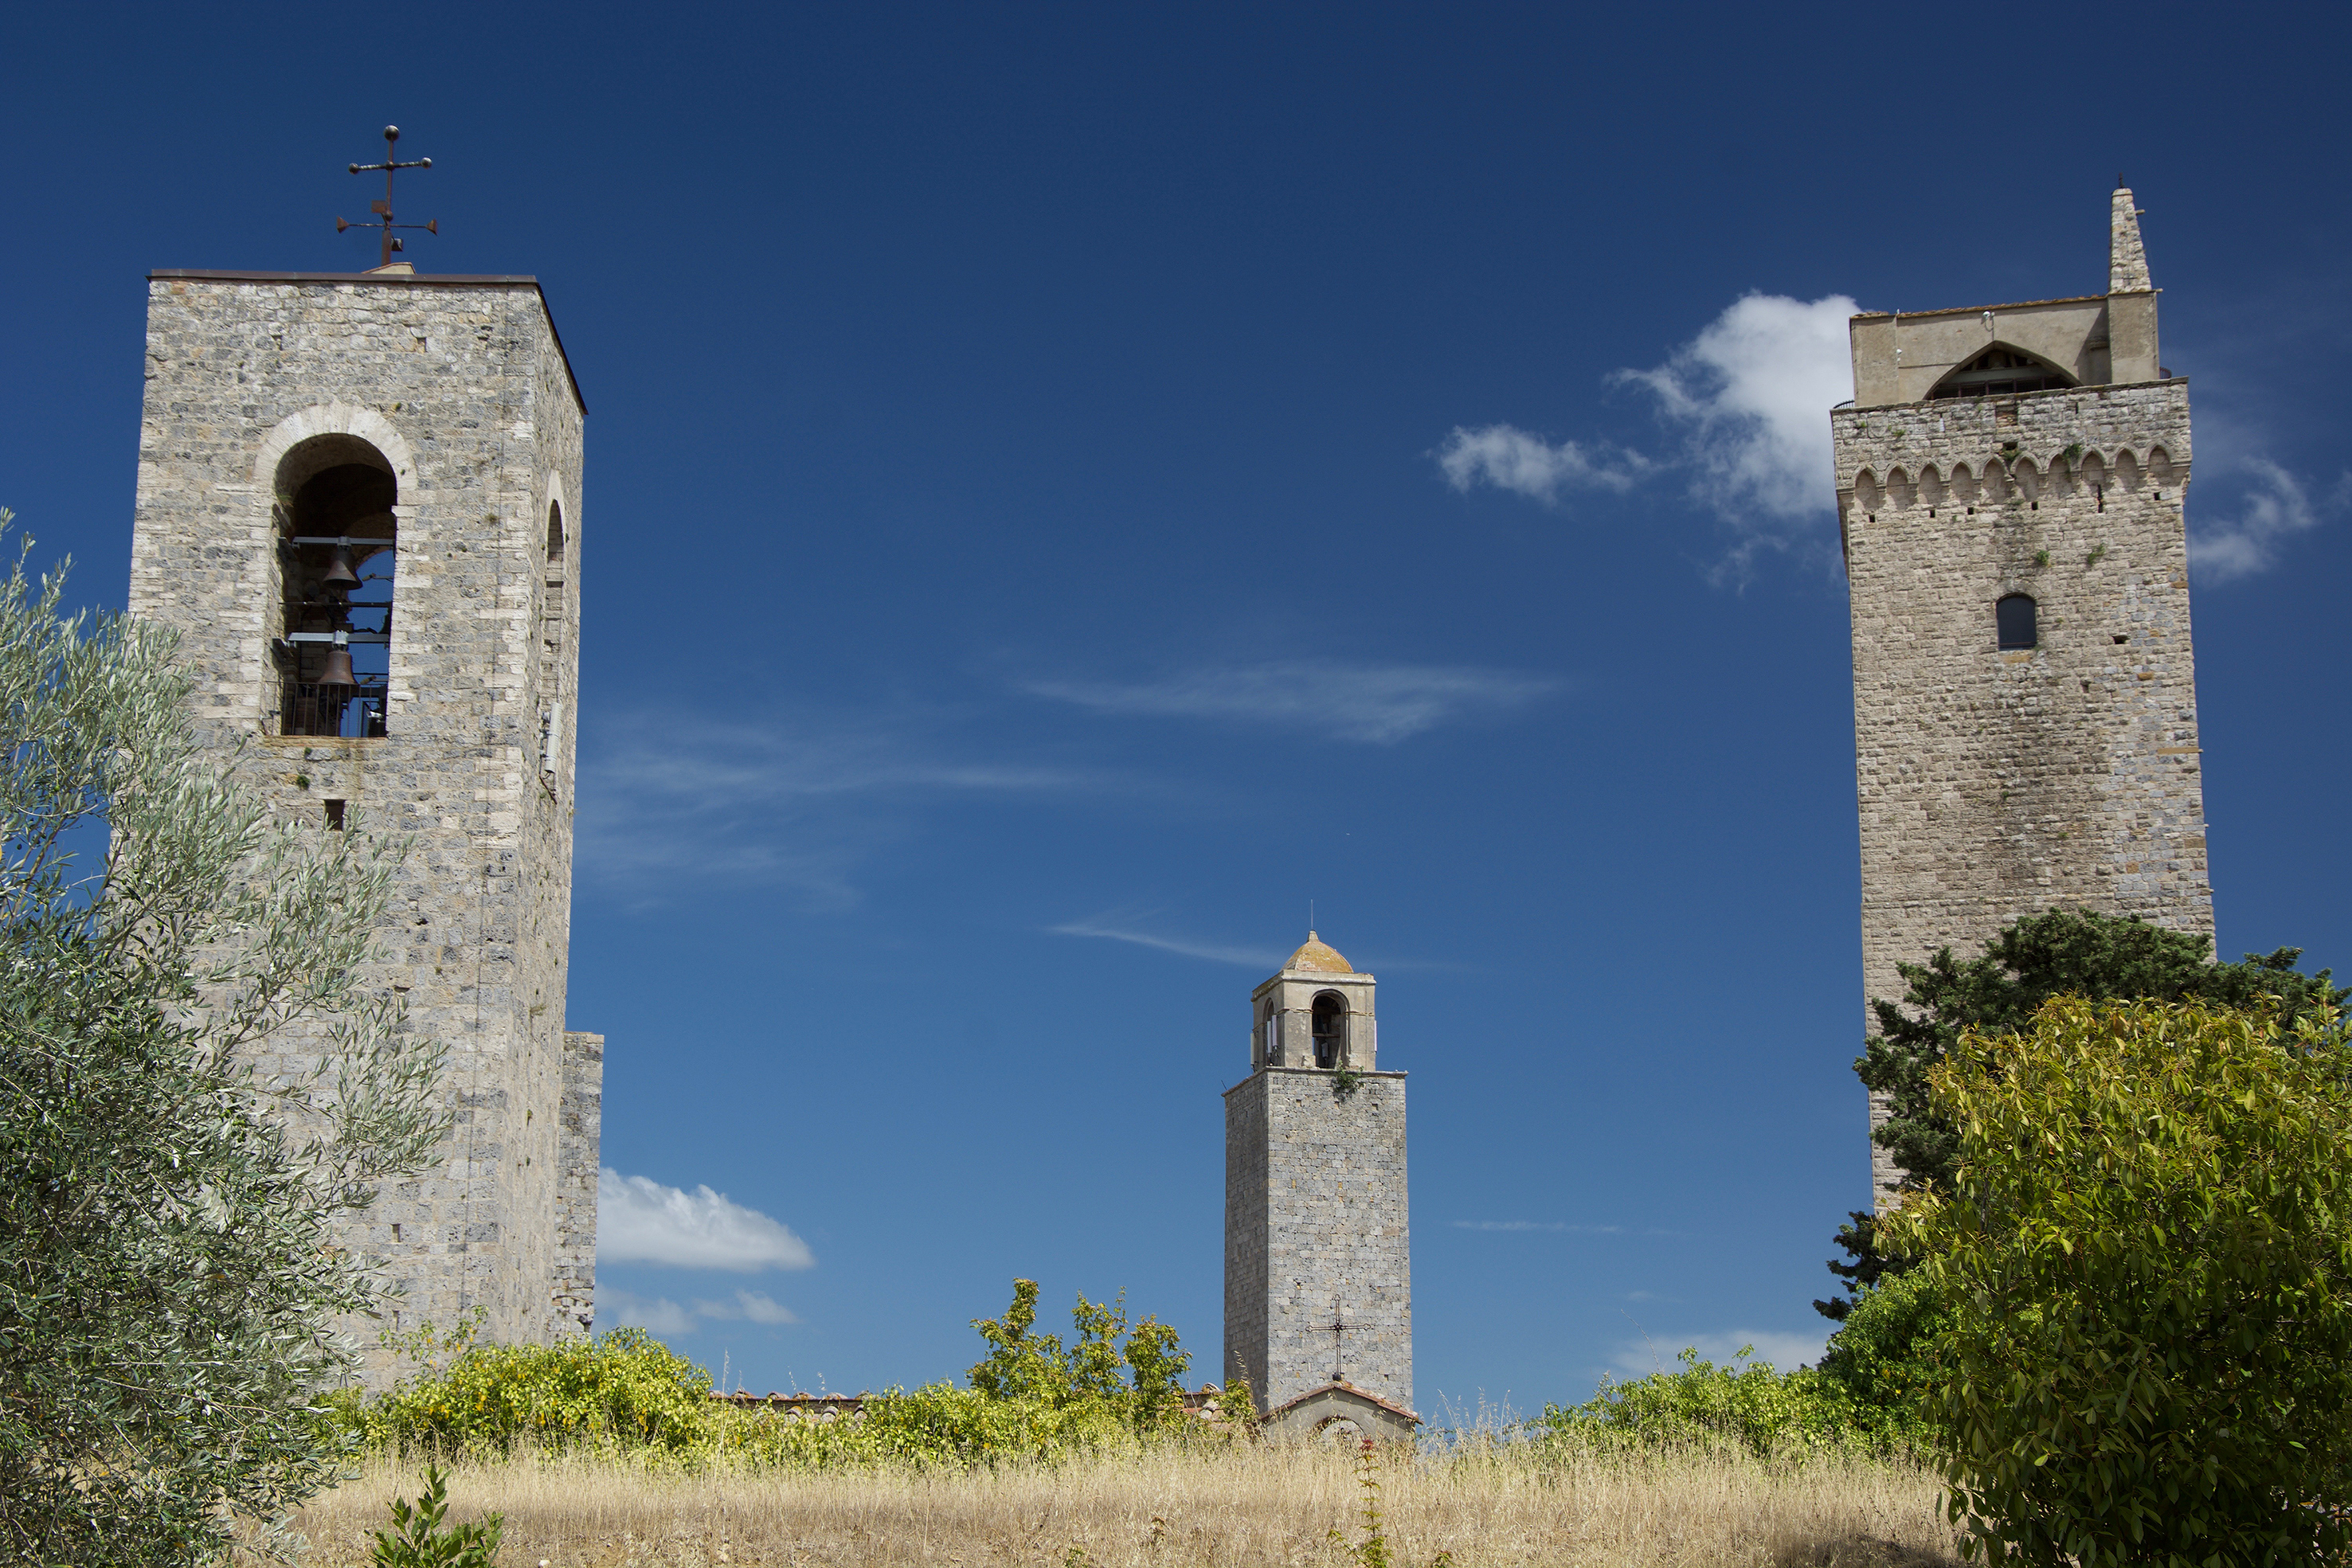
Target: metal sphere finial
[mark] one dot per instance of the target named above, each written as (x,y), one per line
(391,133)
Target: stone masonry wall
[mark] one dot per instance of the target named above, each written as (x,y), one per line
(577,1161)
(461,387)
(1317,1220)
(1995,784)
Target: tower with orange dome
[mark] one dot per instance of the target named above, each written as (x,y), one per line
(1318,1255)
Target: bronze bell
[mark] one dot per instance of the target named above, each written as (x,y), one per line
(340,575)
(338,672)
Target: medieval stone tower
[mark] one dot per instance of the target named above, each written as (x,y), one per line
(2010,487)
(1318,1256)
(359,504)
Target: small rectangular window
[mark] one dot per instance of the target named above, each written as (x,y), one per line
(2013,624)
(334,816)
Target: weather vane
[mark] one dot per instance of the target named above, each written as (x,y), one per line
(383,209)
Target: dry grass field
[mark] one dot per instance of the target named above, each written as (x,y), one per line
(1264,1508)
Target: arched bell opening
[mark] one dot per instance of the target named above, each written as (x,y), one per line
(2002,371)
(338,541)
(1328,1024)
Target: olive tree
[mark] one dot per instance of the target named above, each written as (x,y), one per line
(2143,1252)
(169,1272)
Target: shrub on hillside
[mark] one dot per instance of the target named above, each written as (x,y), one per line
(1883,1356)
(1743,1404)
(626,1393)
(2145,1248)
(623,1390)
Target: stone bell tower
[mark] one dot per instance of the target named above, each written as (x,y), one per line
(359,505)
(2009,492)
(1318,1257)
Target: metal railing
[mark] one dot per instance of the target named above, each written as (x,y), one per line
(350,713)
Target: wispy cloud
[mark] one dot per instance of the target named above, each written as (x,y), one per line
(1510,459)
(2274,509)
(660,1316)
(1559,1226)
(795,799)
(1214,951)
(1378,705)
(748,1306)
(1745,405)
(639,1220)
(1786,1352)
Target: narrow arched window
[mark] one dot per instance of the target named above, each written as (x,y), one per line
(338,546)
(2013,622)
(1331,1029)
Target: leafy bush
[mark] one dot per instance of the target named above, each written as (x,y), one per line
(2146,1253)
(623,1390)
(624,1393)
(1744,1404)
(1883,1356)
(2061,952)
(418,1541)
(1022,1365)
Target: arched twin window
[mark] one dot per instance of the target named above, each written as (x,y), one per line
(2013,622)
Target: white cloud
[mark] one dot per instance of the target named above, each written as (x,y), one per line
(1751,396)
(1786,1352)
(1375,704)
(2274,510)
(639,1220)
(660,1316)
(750,1306)
(1509,458)
(1216,952)
(1745,408)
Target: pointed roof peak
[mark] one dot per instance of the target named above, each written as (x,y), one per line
(2126,255)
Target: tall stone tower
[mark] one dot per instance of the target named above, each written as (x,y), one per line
(1318,1254)
(2010,486)
(359,505)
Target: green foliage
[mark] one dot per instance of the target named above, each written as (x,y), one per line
(625,1393)
(1372,1551)
(1883,1356)
(1744,1404)
(2146,1248)
(416,1538)
(1095,1369)
(168,1270)
(622,1391)
(2063,952)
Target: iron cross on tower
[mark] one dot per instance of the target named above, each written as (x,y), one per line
(383,209)
(1339,1362)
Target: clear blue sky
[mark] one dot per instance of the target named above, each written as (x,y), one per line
(1022,570)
